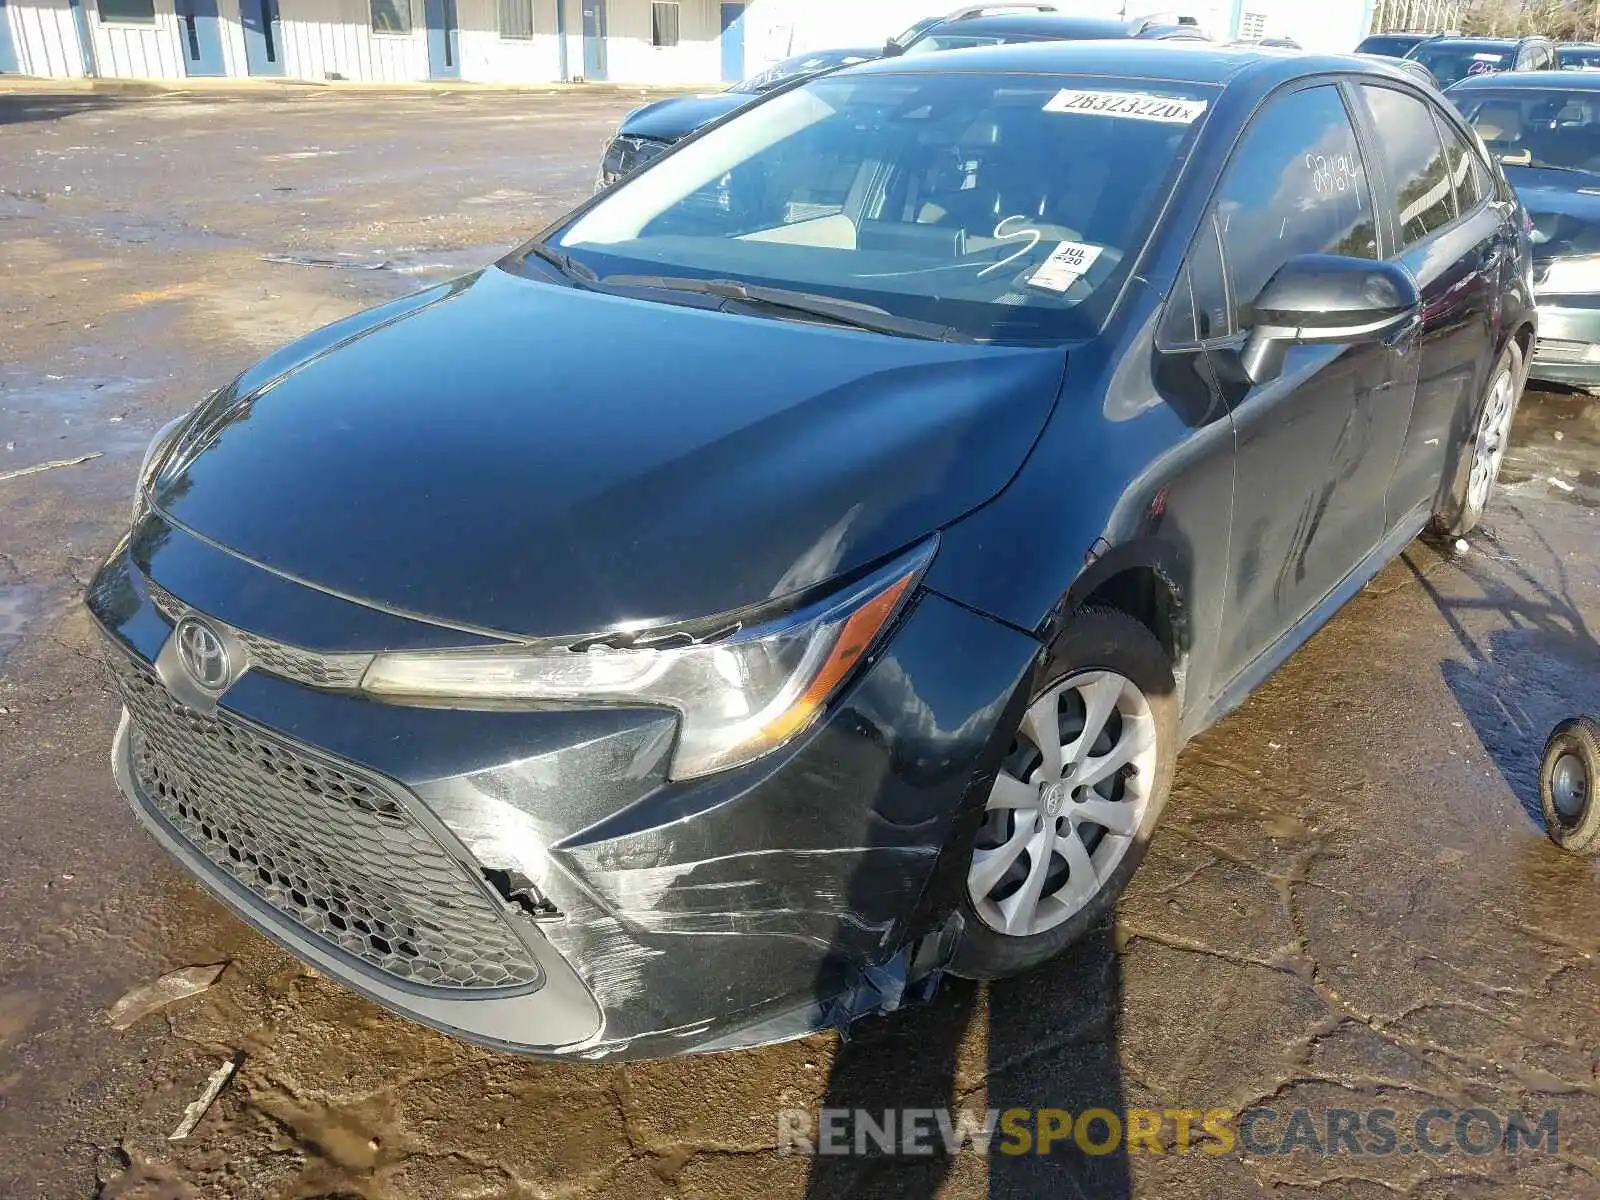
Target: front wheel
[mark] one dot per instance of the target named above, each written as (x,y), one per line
(1478,467)
(1076,798)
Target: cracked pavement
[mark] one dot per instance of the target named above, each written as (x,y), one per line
(1350,902)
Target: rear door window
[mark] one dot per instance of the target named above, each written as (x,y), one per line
(1468,176)
(1296,185)
(1419,176)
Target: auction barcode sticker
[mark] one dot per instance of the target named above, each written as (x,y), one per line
(1137,106)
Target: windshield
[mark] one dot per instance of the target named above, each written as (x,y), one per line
(1004,207)
(916,31)
(1579,58)
(1452,64)
(1527,128)
(800,64)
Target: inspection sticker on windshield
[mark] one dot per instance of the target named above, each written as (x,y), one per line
(1137,106)
(1068,263)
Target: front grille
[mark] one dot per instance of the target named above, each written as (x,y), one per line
(329,846)
(1556,350)
(314,669)
(628,153)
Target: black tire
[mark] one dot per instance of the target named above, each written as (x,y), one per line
(1103,639)
(1568,777)
(1457,514)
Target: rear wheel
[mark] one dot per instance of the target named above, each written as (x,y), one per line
(1567,778)
(1479,466)
(1076,798)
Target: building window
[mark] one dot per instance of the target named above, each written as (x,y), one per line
(391,16)
(1253,26)
(141,11)
(664,23)
(516,19)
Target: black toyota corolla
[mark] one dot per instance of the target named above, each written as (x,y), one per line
(793,574)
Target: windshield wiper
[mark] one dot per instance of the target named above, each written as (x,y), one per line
(850,313)
(563,262)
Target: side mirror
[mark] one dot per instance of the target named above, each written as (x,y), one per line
(1326,299)
(893,49)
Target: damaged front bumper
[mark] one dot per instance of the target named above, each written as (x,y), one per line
(531,880)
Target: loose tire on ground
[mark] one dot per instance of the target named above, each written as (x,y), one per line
(1567,779)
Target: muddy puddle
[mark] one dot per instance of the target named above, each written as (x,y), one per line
(53,416)
(164,233)
(17,607)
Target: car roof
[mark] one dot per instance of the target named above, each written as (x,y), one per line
(1171,61)
(1047,25)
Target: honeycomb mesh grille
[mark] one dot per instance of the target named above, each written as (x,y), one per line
(336,851)
(314,669)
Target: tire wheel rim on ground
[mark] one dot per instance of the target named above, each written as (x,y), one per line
(1067,804)
(1493,434)
(1569,788)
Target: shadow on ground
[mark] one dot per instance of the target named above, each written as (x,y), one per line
(1538,666)
(21,107)
(1052,1042)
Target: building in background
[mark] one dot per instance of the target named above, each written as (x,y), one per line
(526,41)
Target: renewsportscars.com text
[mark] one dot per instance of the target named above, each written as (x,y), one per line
(1261,1132)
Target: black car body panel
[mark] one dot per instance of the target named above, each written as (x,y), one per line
(856,446)
(521,456)
(677,116)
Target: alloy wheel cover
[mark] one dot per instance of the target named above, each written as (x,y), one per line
(1067,804)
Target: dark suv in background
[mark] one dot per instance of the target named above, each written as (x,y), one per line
(646,132)
(1452,59)
(1396,45)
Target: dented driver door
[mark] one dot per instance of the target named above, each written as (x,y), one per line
(1318,446)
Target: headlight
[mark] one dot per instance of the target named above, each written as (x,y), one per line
(738,698)
(155,456)
(1569,276)
(626,154)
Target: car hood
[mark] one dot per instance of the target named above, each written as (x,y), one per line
(509,455)
(1564,208)
(678,117)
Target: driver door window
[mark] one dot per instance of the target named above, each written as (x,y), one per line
(1296,185)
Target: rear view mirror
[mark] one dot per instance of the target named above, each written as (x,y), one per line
(1326,299)
(893,49)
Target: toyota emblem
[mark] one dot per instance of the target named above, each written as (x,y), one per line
(204,655)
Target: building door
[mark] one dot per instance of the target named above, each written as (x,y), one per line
(444,40)
(263,36)
(200,35)
(733,42)
(594,39)
(8,53)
